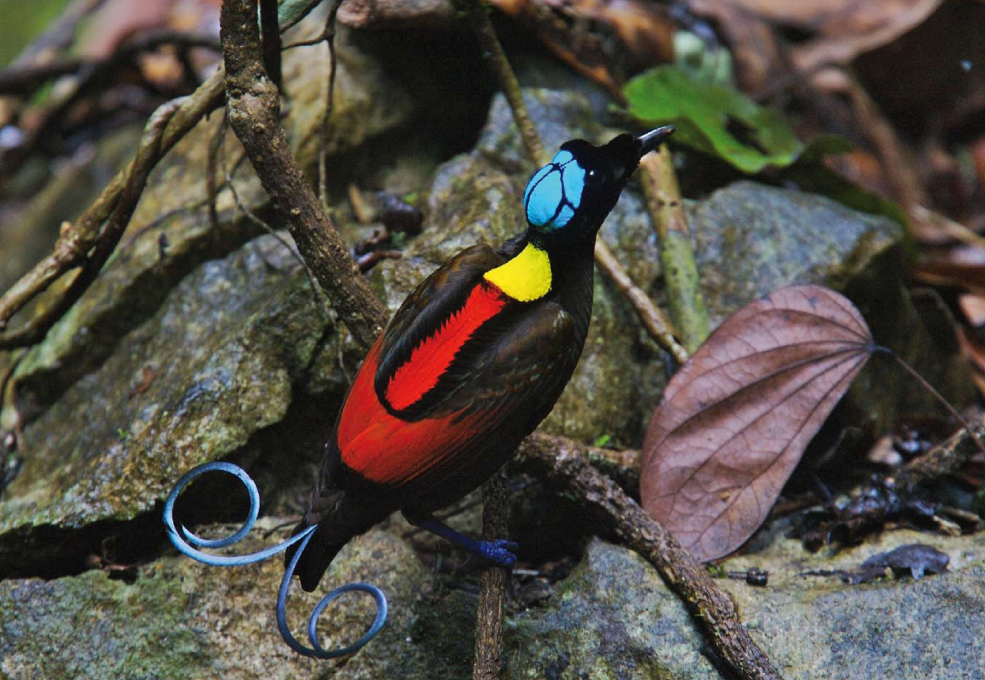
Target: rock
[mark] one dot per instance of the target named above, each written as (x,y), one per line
(170,232)
(597,626)
(751,239)
(214,366)
(183,619)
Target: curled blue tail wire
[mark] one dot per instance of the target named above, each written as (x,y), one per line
(189,544)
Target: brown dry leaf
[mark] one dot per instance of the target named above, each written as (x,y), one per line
(837,31)
(962,267)
(599,38)
(973,308)
(842,29)
(737,417)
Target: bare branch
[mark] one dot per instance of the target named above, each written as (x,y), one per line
(89,242)
(564,463)
(492,583)
(680,272)
(494,54)
(254,112)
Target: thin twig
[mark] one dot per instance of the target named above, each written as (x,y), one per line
(492,583)
(563,462)
(903,177)
(316,290)
(211,167)
(254,112)
(653,320)
(493,52)
(329,36)
(103,220)
(680,271)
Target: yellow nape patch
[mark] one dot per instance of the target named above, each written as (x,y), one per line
(526,277)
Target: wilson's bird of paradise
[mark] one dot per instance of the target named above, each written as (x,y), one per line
(471,363)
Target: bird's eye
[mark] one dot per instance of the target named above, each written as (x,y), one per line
(554,192)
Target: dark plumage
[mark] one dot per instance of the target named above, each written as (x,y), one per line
(472,362)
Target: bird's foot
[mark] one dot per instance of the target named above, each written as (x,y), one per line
(499,552)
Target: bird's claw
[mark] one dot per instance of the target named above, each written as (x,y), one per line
(499,552)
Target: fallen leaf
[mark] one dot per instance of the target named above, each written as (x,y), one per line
(147,375)
(602,40)
(917,558)
(860,27)
(962,267)
(737,417)
(837,30)
(973,308)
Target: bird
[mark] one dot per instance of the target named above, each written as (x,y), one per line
(470,364)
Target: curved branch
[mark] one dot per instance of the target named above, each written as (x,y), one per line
(90,241)
(77,240)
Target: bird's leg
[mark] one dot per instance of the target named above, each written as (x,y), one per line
(498,552)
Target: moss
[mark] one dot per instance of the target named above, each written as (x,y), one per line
(213,366)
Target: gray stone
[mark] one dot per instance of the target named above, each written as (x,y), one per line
(182,619)
(170,232)
(213,367)
(751,239)
(614,618)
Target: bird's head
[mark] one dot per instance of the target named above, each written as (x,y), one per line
(567,200)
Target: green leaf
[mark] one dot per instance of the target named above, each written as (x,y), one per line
(712,118)
(290,12)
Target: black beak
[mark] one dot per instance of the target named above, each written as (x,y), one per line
(654,138)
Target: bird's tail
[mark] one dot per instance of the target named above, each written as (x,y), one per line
(316,557)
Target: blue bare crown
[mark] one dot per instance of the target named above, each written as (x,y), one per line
(554,193)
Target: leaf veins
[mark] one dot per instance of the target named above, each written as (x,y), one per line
(737,417)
